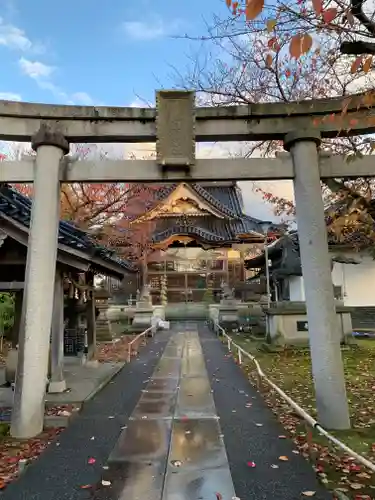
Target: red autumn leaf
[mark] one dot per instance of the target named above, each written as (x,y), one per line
(329,15)
(91,461)
(300,44)
(229,3)
(318,6)
(269,60)
(367,64)
(251,464)
(253,9)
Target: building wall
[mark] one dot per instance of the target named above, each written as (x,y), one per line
(296,289)
(191,271)
(357,281)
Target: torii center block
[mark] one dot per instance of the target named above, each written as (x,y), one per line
(175,129)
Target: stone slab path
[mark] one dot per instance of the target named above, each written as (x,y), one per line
(196,426)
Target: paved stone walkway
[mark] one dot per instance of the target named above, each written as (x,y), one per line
(196,427)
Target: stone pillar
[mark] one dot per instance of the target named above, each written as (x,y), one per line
(57,381)
(91,323)
(324,338)
(18,318)
(32,369)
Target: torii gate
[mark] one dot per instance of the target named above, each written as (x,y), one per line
(175,125)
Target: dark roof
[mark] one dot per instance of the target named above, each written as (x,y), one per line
(18,207)
(226,199)
(284,254)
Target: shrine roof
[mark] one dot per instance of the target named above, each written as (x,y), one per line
(225,198)
(285,256)
(17,207)
(208,229)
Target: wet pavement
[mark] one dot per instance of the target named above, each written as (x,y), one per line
(181,422)
(172,447)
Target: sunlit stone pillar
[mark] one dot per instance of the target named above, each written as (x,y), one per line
(57,381)
(31,377)
(323,326)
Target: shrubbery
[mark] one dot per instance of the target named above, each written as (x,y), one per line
(6,312)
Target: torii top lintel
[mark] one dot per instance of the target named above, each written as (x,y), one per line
(353,115)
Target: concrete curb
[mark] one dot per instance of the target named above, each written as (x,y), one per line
(104,382)
(55,421)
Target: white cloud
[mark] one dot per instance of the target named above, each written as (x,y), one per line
(41,73)
(35,69)
(10,96)
(150,30)
(15,38)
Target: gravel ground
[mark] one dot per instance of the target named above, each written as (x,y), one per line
(252,435)
(63,469)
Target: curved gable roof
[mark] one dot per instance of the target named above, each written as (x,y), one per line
(16,206)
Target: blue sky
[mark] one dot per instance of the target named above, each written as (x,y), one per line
(89,52)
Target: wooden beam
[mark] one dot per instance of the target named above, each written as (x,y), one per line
(10,286)
(281,167)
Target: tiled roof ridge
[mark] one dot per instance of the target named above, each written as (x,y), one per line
(179,229)
(199,189)
(76,237)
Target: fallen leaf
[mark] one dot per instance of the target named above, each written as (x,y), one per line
(274,466)
(282,437)
(259,425)
(106,483)
(356,486)
(308,493)
(251,464)
(283,458)
(91,461)
(86,486)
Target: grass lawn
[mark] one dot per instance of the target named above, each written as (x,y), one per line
(291,371)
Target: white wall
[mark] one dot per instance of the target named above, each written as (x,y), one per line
(296,289)
(357,280)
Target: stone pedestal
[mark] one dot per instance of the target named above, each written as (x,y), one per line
(103,331)
(142,317)
(228,315)
(143,311)
(288,324)
(11,366)
(228,309)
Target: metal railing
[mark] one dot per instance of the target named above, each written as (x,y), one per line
(136,339)
(309,420)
